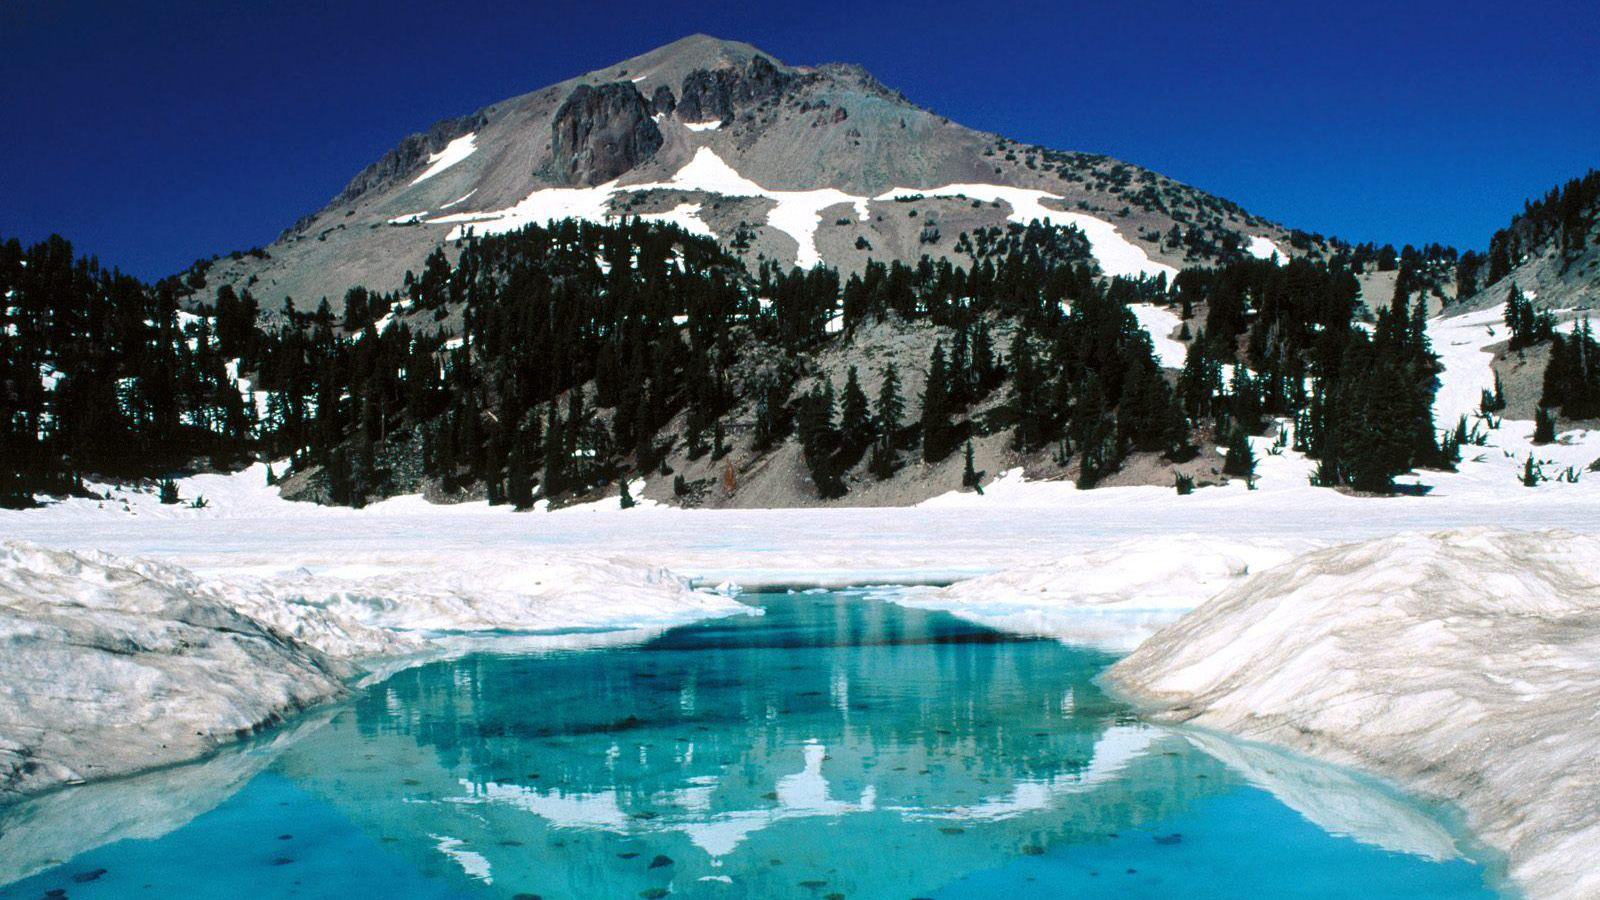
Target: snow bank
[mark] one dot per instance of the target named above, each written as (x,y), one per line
(1111,597)
(109,665)
(1462,663)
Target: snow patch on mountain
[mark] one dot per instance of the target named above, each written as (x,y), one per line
(1161,323)
(459,200)
(685,216)
(795,213)
(1115,253)
(453,152)
(1266,248)
(703,126)
(1461,663)
(541,207)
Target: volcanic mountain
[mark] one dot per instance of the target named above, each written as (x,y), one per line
(796,165)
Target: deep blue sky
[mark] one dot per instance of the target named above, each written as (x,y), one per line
(152,133)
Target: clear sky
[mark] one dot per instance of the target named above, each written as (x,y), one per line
(153,133)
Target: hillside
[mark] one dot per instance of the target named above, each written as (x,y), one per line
(1550,252)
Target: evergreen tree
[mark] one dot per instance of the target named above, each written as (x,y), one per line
(935,421)
(1544,426)
(1572,376)
(985,371)
(855,419)
(883,461)
(1093,434)
(1027,396)
(623,496)
(970,476)
(1528,326)
(1240,460)
(519,485)
(891,408)
(718,448)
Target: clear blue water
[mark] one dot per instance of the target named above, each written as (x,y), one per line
(837,747)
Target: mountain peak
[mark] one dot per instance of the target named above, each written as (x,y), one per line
(670,63)
(822,143)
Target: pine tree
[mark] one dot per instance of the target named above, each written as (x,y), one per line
(623,496)
(556,456)
(519,485)
(855,419)
(936,407)
(890,407)
(1093,433)
(1528,326)
(1532,473)
(1572,376)
(984,369)
(1027,402)
(1240,460)
(718,448)
(970,476)
(169,491)
(1544,426)
(1495,400)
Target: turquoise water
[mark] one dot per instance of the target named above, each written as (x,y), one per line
(837,747)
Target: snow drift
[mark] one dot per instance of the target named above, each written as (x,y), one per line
(1112,597)
(110,665)
(1461,663)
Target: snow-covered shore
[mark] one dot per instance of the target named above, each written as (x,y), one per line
(109,665)
(1462,664)
(1110,597)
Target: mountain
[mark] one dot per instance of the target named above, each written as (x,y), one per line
(704,277)
(797,165)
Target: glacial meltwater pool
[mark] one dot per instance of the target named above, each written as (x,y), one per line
(836,747)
